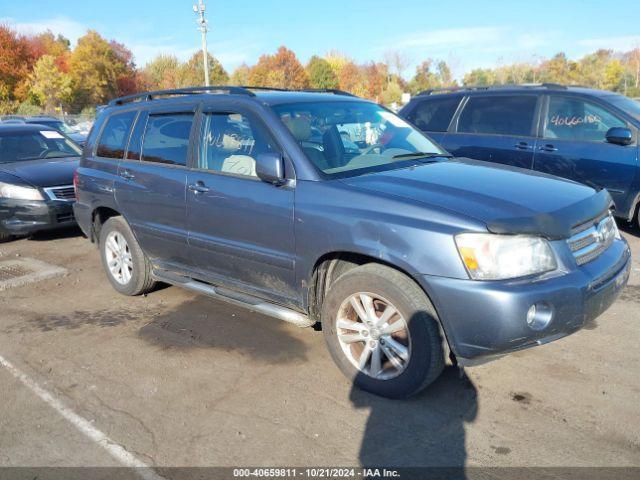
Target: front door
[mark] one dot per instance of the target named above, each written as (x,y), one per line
(496,128)
(574,146)
(152,184)
(240,228)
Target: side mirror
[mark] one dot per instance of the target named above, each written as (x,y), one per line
(270,168)
(619,136)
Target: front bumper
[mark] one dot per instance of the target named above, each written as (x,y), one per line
(23,217)
(486,319)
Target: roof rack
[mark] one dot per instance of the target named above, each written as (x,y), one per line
(548,85)
(148,96)
(224,89)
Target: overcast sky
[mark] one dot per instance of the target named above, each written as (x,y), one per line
(469,34)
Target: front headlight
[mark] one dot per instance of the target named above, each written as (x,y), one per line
(18,192)
(498,257)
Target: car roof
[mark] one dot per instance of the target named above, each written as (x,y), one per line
(22,127)
(499,89)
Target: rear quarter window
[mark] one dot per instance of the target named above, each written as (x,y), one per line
(115,133)
(166,139)
(434,115)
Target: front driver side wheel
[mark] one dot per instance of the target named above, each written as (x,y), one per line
(124,262)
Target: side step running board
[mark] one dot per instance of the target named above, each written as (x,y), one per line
(235,298)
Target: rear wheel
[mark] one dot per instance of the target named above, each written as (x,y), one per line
(5,237)
(382,331)
(124,262)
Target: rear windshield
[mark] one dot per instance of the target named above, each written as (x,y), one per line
(631,107)
(33,145)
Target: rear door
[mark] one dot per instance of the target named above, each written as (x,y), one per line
(432,114)
(574,146)
(152,179)
(497,128)
(240,228)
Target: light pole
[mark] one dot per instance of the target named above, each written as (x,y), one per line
(202,26)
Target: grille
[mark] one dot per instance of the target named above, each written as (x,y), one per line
(66,193)
(592,238)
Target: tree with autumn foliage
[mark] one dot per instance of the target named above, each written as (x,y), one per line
(16,61)
(52,87)
(100,70)
(281,70)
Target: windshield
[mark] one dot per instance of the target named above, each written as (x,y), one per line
(352,138)
(57,124)
(32,145)
(629,106)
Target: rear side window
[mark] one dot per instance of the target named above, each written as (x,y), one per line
(434,115)
(114,135)
(500,115)
(166,139)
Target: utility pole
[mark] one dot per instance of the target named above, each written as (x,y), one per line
(202,26)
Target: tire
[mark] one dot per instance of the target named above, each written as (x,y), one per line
(5,237)
(134,266)
(422,358)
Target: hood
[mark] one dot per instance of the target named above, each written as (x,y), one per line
(507,199)
(44,172)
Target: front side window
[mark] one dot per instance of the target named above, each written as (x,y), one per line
(434,115)
(114,135)
(498,115)
(575,119)
(231,142)
(33,145)
(352,137)
(166,139)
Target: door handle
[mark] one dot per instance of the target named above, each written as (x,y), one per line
(198,187)
(126,174)
(523,146)
(548,148)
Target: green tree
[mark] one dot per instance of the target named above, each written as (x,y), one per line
(240,75)
(321,75)
(479,76)
(162,72)
(49,85)
(191,73)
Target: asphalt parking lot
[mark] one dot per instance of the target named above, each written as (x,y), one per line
(176,379)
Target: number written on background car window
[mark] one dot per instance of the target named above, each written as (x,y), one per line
(574,119)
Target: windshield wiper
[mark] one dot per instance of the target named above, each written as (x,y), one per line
(422,155)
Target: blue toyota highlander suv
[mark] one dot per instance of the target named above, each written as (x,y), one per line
(590,136)
(323,208)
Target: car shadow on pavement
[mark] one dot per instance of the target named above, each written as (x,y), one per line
(206,323)
(61,234)
(425,431)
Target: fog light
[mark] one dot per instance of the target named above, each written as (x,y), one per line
(539,315)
